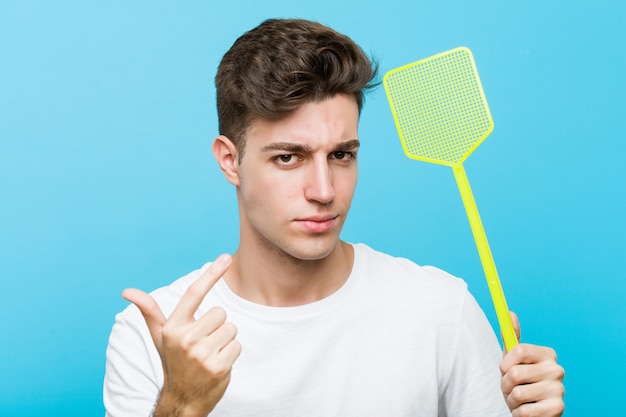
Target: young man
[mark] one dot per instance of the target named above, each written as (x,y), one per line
(323,327)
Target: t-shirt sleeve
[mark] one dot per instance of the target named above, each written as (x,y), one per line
(133,374)
(473,388)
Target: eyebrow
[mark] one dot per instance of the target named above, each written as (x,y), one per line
(296,147)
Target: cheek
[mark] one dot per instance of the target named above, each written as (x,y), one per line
(345,185)
(268,190)
(283,185)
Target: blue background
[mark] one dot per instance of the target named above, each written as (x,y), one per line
(107,179)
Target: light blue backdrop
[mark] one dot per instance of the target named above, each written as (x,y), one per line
(107,179)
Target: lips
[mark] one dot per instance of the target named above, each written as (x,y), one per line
(318,224)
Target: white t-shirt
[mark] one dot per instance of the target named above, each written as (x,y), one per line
(396,339)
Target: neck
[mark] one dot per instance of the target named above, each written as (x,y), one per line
(277,279)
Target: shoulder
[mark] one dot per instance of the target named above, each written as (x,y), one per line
(401,284)
(392,270)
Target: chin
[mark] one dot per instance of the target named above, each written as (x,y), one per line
(312,252)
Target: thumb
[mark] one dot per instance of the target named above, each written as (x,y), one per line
(150,311)
(516,325)
(516,329)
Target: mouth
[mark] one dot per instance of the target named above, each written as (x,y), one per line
(318,224)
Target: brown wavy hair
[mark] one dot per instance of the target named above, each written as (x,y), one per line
(281,64)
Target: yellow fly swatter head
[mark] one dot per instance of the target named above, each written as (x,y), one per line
(439,107)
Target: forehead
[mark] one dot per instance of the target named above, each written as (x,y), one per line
(329,121)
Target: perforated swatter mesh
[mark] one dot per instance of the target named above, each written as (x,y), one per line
(440,111)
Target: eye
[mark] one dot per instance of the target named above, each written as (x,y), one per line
(343,155)
(286,159)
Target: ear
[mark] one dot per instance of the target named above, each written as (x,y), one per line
(225,153)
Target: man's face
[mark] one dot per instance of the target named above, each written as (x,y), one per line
(297,178)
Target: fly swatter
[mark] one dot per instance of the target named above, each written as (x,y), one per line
(442,115)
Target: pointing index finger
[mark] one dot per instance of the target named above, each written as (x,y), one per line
(196,292)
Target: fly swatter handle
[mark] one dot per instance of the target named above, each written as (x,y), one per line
(495,288)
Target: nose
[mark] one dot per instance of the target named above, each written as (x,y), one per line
(319,183)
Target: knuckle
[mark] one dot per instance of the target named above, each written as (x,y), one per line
(518,394)
(560,392)
(195,291)
(517,374)
(230,329)
(523,351)
(193,354)
(528,410)
(150,309)
(504,387)
(217,369)
(553,353)
(234,348)
(218,314)
(169,332)
(186,342)
(502,369)
(559,372)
